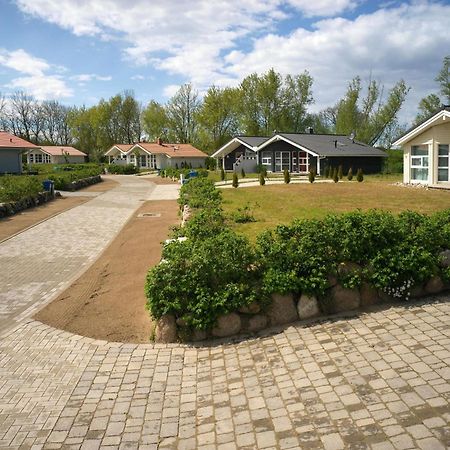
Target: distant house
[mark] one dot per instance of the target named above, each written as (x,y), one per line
(156,155)
(426,150)
(298,153)
(11,150)
(55,154)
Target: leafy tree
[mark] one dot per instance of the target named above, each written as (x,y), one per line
(427,106)
(218,117)
(369,117)
(298,96)
(154,120)
(443,78)
(181,111)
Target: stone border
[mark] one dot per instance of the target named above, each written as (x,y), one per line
(11,208)
(292,307)
(82,183)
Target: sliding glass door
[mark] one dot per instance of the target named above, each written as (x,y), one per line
(282,161)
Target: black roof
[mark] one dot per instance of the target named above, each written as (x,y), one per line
(252,141)
(332,144)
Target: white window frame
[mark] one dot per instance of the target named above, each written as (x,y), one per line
(420,162)
(445,158)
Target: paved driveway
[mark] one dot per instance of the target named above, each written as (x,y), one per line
(379,380)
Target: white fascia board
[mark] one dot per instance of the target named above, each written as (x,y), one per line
(43,151)
(222,150)
(140,147)
(444,114)
(278,137)
(114,147)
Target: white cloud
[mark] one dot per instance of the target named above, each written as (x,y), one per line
(138,77)
(42,87)
(86,77)
(201,41)
(35,80)
(170,90)
(21,61)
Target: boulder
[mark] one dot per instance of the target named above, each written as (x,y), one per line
(282,310)
(307,306)
(332,281)
(345,299)
(347,268)
(253,308)
(369,294)
(227,325)
(417,291)
(444,258)
(257,323)
(434,285)
(166,329)
(198,335)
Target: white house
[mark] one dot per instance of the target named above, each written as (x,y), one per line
(55,154)
(156,155)
(426,150)
(11,150)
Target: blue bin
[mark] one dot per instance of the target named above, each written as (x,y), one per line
(49,186)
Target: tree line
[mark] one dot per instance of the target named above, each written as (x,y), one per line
(260,105)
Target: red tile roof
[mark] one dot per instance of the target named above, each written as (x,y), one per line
(173,150)
(8,140)
(57,150)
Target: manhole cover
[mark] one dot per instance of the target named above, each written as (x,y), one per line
(149,214)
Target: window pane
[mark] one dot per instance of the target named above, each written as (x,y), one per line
(419,174)
(416,161)
(443,149)
(419,150)
(425,161)
(443,175)
(443,161)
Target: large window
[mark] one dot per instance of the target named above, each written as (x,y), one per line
(443,165)
(282,161)
(419,163)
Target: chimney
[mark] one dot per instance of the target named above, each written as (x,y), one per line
(10,139)
(335,143)
(310,130)
(159,141)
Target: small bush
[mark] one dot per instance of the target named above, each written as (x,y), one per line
(128,169)
(340,174)
(287,176)
(312,175)
(17,187)
(200,193)
(360,176)
(335,175)
(235,180)
(222,174)
(262,180)
(243,215)
(243,173)
(350,174)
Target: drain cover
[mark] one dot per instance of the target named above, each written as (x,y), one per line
(149,214)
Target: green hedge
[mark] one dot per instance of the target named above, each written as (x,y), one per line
(128,169)
(63,179)
(216,271)
(16,187)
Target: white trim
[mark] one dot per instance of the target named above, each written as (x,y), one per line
(443,114)
(117,148)
(219,152)
(279,137)
(142,148)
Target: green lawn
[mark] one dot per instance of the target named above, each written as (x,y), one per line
(280,204)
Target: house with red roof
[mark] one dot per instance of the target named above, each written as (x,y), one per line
(11,150)
(156,155)
(55,154)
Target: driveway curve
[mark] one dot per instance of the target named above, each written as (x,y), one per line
(377,380)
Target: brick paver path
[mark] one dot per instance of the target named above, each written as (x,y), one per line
(379,380)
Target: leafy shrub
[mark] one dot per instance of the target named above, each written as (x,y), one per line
(335,175)
(235,180)
(312,175)
(262,180)
(127,169)
(340,174)
(200,279)
(359,176)
(222,174)
(64,178)
(243,173)
(350,174)
(287,176)
(243,215)
(210,163)
(394,162)
(17,187)
(200,193)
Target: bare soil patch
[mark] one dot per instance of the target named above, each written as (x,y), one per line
(108,302)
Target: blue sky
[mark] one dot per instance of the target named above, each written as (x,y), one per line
(78,51)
